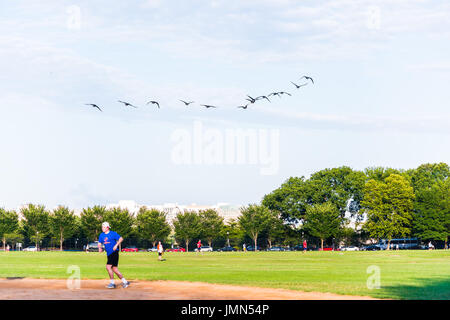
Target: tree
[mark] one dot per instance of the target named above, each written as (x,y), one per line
(210,224)
(9,223)
(120,220)
(91,221)
(432,212)
(275,228)
(389,206)
(35,222)
(14,238)
(254,219)
(232,232)
(322,221)
(187,226)
(152,224)
(290,199)
(63,223)
(342,186)
(431,206)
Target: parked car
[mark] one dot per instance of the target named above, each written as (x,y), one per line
(30,248)
(252,248)
(372,247)
(93,246)
(205,249)
(154,249)
(350,248)
(276,249)
(225,249)
(329,249)
(177,249)
(130,249)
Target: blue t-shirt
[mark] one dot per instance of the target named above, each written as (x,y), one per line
(109,240)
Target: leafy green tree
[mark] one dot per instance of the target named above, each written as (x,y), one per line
(13,238)
(91,220)
(389,206)
(341,186)
(211,225)
(120,220)
(254,219)
(232,232)
(323,221)
(275,228)
(63,224)
(152,225)
(432,212)
(381,173)
(9,223)
(35,222)
(290,199)
(428,174)
(187,226)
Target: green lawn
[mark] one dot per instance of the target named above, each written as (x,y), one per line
(404,274)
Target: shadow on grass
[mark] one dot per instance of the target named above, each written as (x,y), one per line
(426,289)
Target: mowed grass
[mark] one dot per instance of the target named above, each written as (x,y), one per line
(403,274)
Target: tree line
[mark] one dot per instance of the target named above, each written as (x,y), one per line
(384,203)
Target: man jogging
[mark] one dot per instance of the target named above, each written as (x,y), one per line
(111,240)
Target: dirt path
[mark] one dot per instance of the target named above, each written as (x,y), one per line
(45,289)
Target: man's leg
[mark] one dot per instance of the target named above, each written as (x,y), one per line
(116,271)
(111,284)
(125,283)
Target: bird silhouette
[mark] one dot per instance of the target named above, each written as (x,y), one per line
(252,100)
(299,86)
(93,105)
(127,104)
(308,78)
(187,103)
(208,106)
(282,92)
(274,94)
(243,107)
(154,102)
(262,97)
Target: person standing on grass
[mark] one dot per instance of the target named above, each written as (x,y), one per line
(160,250)
(111,240)
(305,246)
(199,245)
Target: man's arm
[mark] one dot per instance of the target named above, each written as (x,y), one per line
(118,243)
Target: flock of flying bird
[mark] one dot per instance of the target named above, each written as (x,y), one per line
(250,99)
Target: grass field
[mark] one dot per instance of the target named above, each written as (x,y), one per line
(404,274)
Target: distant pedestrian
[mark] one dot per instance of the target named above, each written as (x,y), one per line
(199,246)
(305,246)
(7,247)
(244,248)
(160,251)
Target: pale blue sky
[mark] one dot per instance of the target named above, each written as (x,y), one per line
(380,98)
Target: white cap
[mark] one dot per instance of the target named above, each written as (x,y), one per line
(106,224)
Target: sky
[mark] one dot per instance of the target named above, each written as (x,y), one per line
(381,72)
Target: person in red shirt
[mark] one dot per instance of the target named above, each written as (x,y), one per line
(304,246)
(199,246)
